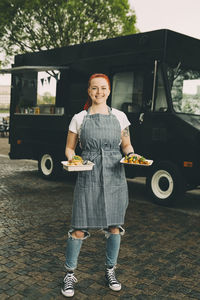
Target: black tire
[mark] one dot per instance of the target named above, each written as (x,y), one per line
(165,183)
(49,166)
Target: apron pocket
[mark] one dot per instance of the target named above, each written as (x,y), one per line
(87,179)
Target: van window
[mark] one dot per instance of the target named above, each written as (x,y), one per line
(46,87)
(127,90)
(185,90)
(161,100)
(25,89)
(36,92)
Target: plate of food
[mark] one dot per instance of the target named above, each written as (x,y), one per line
(136,160)
(77,164)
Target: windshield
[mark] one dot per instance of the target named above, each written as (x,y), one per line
(185,90)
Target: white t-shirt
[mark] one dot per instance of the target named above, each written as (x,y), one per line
(77,120)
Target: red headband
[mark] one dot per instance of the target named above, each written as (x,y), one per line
(97,75)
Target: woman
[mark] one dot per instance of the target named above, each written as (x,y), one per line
(100,195)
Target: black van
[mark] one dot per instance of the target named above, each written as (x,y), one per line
(155,79)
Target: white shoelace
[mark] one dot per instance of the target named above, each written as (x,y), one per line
(69,281)
(111,276)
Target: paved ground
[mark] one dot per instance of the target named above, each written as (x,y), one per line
(159,257)
(4,146)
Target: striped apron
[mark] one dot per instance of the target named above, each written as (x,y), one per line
(100,195)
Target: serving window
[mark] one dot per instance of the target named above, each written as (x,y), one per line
(46,87)
(36,92)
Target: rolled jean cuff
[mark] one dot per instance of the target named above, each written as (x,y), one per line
(86,234)
(68,269)
(108,233)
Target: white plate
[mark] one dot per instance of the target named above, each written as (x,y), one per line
(70,168)
(142,165)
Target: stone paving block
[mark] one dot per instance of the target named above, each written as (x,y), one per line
(4,296)
(3,274)
(11,292)
(16,297)
(194,294)
(109,297)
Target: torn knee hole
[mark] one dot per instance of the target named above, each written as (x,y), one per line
(78,234)
(114,230)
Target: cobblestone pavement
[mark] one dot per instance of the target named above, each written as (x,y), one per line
(159,256)
(4,146)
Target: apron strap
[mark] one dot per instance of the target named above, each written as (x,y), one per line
(109,110)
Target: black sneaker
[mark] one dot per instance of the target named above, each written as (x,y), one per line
(68,285)
(113,283)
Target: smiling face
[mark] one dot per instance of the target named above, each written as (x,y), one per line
(99,90)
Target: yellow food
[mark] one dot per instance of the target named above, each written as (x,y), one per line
(76,160)
(136,160)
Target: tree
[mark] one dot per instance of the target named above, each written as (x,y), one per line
(32,25)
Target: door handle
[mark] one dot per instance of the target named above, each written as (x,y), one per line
(141,118)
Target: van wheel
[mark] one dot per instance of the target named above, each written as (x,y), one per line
(165,183)
(49,167)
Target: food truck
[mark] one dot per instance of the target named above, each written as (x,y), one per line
(155,78)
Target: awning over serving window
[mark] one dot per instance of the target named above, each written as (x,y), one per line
(23,69)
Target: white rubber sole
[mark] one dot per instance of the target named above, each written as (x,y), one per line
(68,293)
(115,288)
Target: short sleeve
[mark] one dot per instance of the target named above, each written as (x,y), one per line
(124,121)
(73,126)
(122,118)
(76,122)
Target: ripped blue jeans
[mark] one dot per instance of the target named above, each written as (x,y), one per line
(74,247)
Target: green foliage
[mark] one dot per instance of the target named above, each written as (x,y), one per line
(182,101)
(32,25)
(47,98)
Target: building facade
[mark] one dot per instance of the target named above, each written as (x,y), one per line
(4,96)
